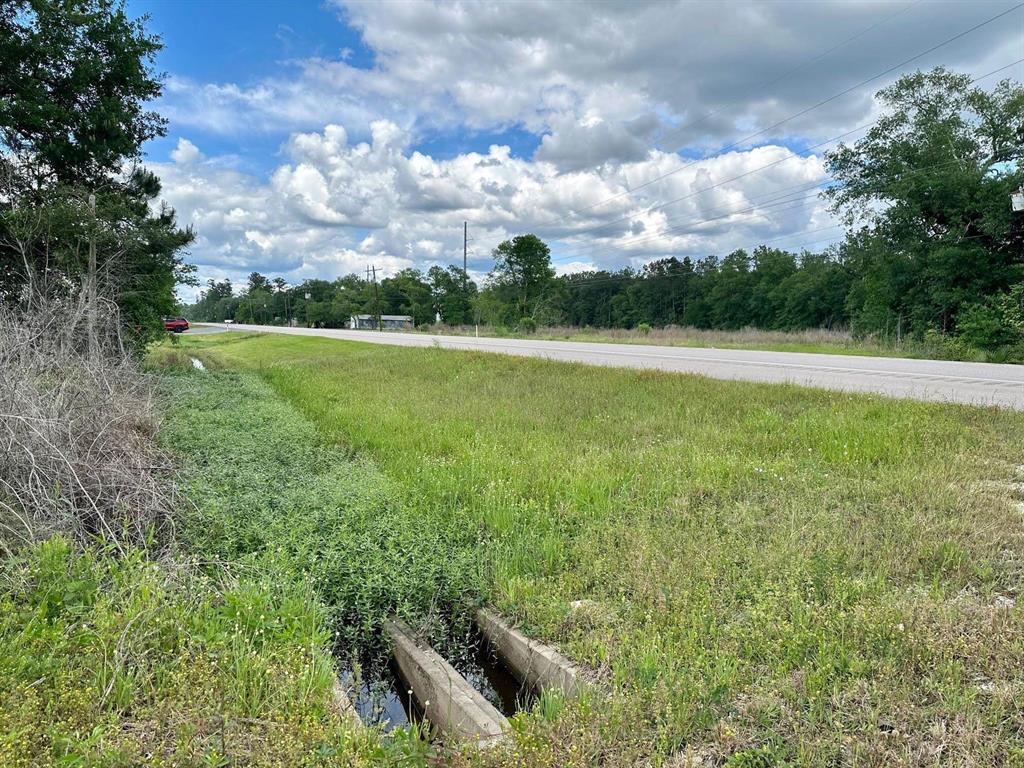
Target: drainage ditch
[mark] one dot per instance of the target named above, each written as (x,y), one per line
(382,696)
(379,697)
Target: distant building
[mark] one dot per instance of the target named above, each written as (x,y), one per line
(387,322)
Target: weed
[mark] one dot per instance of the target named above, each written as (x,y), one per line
(264,486)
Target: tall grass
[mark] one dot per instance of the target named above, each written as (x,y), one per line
(813,340)
(119,661)
(779,574)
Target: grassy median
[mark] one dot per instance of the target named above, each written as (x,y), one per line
(774,574)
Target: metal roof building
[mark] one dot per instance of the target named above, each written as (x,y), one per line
(387,322)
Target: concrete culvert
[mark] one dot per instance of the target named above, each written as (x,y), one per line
(448,700)
(536,664)
(342,705)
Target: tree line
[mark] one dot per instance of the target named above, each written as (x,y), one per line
(768,288)
(932,247)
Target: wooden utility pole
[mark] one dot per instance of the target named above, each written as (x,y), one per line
(465,260)
(376,296)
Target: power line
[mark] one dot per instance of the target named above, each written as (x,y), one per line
(780,204)
(802,112)
(830,140)
(697,222)
(688,227)
(679,129)
(659,206)
(758,170)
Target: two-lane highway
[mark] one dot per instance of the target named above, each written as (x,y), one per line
(938,380)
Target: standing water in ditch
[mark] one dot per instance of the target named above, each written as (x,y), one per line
(379,696)
(484,671)
(382,698)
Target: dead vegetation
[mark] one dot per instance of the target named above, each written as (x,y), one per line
(76,425)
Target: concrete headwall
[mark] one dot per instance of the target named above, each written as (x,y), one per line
(532,662)
(342,704)
(450,703)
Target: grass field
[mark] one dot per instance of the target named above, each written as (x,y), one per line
(816,340)
(777,575)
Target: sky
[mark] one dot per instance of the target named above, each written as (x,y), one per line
(314,139)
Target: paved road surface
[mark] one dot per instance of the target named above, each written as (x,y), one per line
(971,383)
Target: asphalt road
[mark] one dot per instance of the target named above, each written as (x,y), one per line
(937,380)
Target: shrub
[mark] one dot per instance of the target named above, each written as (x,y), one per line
(527,325)
(986,326)
(644,328)
(76,425)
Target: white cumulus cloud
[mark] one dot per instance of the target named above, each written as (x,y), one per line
(335,206)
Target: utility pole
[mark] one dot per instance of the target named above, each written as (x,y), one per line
(91,293)
(376,296)
(465,275)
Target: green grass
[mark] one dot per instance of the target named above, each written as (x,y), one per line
(269,495)
(265,490)
(778,575)
(110,661)
(221,648)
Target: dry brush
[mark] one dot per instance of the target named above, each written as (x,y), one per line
(76,426)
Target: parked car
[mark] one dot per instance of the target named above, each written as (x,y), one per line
(176,324)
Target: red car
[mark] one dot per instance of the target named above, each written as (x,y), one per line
(176,324)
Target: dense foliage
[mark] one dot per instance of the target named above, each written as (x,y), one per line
(933,250)
(75,76)
(940,248)
(284,500)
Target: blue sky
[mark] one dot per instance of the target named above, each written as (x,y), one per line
(312,139)
(214,42)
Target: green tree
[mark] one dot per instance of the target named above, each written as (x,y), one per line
(929,187)
(523,273)
(772,267)
(814,296)
(75,78)
(731,291)
(408,293)
(453,294)
(257,282)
